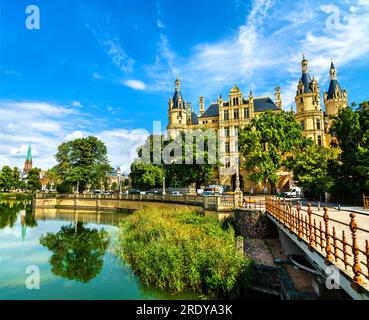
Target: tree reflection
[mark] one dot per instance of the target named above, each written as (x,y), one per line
(9,211)
(77,251)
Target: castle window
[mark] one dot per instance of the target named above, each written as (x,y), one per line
(318,126)
(301,100)
(227,147)
(236,146)
(246,113)
(302,123)
(227,163)
(236,114)
(226,115)
(180,114)
(319,140)
(236,131)
(226,131)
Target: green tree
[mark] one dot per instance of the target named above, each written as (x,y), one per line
(114,186)
(77,251)
(16,178)
(6,179)
(178,173)
(266,142)
(82,162)
(146,176)
(351,128)
(33,180)
(312,168)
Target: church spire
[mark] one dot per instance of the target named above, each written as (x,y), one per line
(29,153)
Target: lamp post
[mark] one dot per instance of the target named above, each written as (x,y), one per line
(163,185)
(238,189)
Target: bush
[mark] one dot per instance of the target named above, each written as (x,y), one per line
(181,250)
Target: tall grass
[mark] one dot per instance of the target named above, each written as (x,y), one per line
(181,250)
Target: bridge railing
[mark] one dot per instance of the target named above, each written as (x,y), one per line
(366,201)
(342,243)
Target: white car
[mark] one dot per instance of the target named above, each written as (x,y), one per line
(176,193)
(295,192)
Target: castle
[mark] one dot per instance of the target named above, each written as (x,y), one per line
(227,116)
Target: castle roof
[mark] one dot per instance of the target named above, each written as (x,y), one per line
(333,86)
(176,97)
(194,118)
(261,104)
(306,81)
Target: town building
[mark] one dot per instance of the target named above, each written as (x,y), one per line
(227,116)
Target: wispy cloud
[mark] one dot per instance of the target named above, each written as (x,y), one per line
(46,125)
(107,37)
(266,51)
(135,84)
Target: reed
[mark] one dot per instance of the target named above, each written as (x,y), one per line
(182,250)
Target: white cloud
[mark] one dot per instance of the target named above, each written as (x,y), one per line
(160,24)
(266,51)
(45,126)
(135,84)
(96,76)
(76,104)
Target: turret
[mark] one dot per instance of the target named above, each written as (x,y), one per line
(278,100)
(202,107)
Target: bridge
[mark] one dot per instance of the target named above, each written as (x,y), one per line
(326,237)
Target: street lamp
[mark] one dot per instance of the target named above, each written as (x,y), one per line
(163,185)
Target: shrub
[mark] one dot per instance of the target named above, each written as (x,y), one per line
(181,250)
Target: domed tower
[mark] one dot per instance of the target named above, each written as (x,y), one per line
(334,100)
(308,110)
(178,112)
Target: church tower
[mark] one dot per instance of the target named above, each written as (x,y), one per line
(28,163)
(179,113)
(308,109)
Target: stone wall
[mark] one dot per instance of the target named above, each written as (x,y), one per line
(254,223)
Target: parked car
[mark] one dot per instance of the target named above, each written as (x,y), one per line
(295,192)
(134,191)
(97,191)
(208,193)
(176,193)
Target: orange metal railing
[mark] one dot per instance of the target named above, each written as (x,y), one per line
(345,245)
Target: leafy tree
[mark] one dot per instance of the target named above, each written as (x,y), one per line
(77,251)
(6,178)
(33,180)
(82,162)
(312,168)
(114,186)
(178,173)
(351,128)
(266,142)
(146,176)
(16,178)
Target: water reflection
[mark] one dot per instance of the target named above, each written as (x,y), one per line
(77,251)
(9,211)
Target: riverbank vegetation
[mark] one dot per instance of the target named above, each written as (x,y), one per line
(182,250)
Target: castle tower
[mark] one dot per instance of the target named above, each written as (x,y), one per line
(335,98)
(308,110)
(28,163)
(278,100)
(178,111)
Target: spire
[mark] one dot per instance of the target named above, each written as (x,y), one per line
(304,64)
(178,84)
(29,153)
(332,71)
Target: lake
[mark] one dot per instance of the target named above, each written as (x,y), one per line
(72,250)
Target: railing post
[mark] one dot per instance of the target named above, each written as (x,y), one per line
(311,238)
(328,247)
(299,223)
(356,268)
(345,253)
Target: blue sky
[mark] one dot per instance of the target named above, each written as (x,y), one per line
(107,67)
